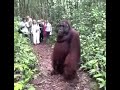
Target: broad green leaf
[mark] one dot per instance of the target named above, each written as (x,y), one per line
(98,75)
(18,86)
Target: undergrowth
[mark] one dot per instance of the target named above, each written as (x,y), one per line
(25,61)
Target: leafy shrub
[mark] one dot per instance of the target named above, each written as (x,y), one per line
(93,43)
(24,61)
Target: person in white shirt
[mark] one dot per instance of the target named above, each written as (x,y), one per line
(29,24)
(48,29)
(29,20)
(35,30)
(23,27)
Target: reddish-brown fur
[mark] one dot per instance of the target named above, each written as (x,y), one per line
(66,56)
(72,60)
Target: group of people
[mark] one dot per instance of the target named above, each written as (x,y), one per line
(37,30)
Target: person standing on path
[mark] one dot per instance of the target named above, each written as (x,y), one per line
(44,30)
(41,30)
(35,30)
(48,29)
(29,25)
(23,27)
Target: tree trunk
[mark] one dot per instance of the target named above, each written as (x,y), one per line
(18,8)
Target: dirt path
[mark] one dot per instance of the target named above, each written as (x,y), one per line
(44,81)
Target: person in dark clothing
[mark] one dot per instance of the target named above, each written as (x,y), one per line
(41,31)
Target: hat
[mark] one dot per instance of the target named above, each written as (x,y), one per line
(38,21)
(27,16)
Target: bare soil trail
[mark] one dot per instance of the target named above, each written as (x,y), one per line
(44,81)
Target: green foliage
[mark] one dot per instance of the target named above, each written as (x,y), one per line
(90,20)
(16,25)
(24,61)
(91,24)
(93,29)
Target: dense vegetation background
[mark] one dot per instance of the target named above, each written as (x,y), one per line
(87,16)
